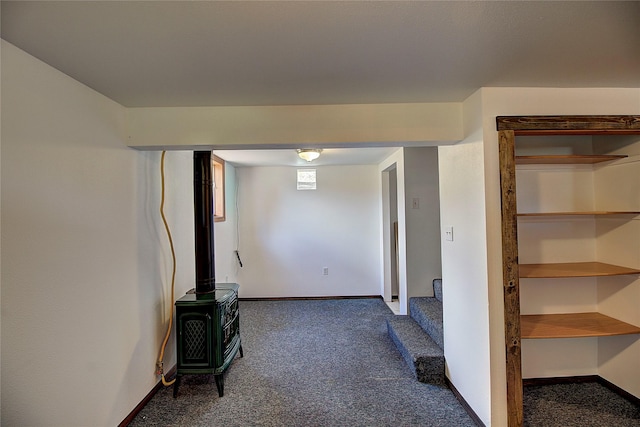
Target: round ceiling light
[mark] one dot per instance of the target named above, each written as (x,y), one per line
(309,154)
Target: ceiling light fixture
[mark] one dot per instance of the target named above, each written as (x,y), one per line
(309,154)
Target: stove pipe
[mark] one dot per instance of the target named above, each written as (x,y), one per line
(203,203)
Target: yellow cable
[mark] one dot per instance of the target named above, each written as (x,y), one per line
(160,368)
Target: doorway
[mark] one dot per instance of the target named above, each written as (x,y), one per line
(391,239)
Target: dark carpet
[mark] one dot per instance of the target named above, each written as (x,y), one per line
(310,363)
(580,405)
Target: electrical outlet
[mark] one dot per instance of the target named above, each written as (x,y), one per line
(325,271)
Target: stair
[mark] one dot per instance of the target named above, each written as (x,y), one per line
(419,337)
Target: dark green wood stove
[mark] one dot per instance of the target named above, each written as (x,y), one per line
(208,333)
(207,318)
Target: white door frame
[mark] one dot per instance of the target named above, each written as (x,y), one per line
(395,161)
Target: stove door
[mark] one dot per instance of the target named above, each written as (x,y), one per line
(195,336)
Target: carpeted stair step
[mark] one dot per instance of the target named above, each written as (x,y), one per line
(427,312)
(437,289)
(421,353)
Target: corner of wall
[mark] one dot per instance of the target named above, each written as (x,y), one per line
(464,265)
(226,232)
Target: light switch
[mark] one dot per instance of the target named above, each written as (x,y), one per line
(448,234)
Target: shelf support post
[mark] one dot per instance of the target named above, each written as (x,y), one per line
(510,277)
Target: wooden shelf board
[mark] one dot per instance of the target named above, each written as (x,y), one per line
(573,325)
(573,159)
(573,269)
(570,125)
(579,213)
(548,132)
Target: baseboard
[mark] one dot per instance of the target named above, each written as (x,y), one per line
(614,388)
(476,419)
(583,379)
(312,298)
(559,380)
(146,399)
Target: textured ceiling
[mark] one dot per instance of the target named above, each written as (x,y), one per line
(188,53)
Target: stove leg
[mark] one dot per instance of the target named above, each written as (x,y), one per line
(176,385)
(241,352)
(220,384)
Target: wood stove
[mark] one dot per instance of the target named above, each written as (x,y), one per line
(208,333)
(207,318)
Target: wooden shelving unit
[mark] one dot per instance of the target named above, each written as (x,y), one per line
(573,159)
(573,325)
(567,325)
(573,269)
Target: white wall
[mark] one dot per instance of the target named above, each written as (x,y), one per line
(226,232)
(423,221)
(412,124)
(419,260)
(394,161)
(472,263)
(618,242)
(393,246)
(85,264)
(288,236)
(556,188)
(464,266)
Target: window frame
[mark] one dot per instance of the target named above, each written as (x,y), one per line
(219,212)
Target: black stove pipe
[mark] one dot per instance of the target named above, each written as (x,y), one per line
(203,203)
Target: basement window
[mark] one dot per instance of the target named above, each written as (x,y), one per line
(218,189)
(306,179)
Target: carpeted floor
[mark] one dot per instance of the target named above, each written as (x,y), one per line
(577,405)
(310,363)
(332,363)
